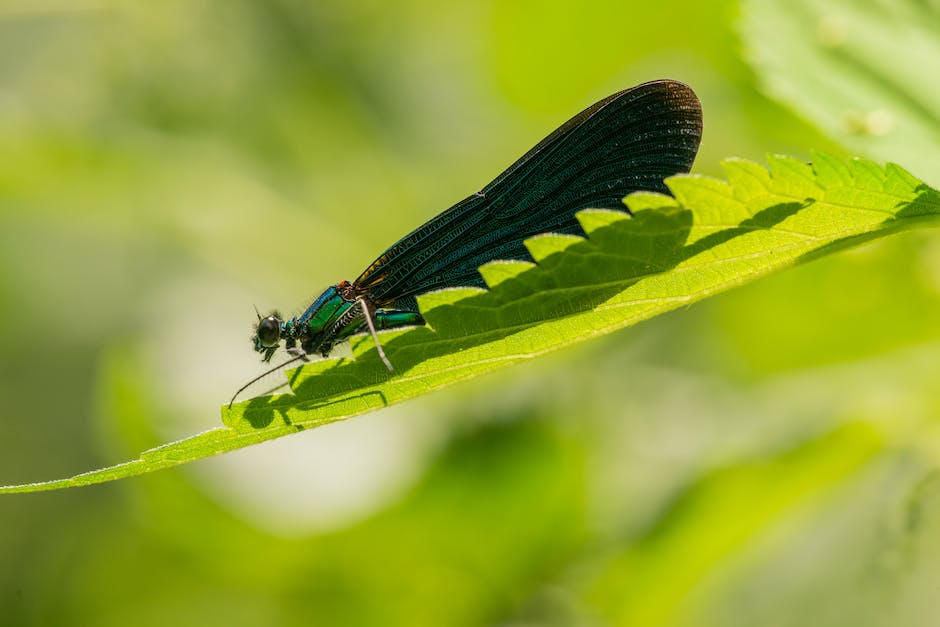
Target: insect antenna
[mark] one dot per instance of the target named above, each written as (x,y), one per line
(300,357)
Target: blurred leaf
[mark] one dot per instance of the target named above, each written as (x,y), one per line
(895,281)
(858,69)
(712,236)
(914,555)
(500,511)
(715,521)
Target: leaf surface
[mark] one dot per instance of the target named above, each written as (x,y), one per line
(711,236)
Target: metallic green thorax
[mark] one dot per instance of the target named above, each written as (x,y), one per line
(337,314)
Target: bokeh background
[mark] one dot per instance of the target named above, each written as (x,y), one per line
(766,457)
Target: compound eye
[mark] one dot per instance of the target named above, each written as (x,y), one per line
(269,332)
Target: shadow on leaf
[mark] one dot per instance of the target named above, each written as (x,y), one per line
(583,276)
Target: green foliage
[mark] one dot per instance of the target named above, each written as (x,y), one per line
(634,587)
(713,235)
(766,457)
(859,70)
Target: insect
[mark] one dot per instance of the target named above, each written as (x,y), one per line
(627,142)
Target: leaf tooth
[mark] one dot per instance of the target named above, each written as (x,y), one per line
(899,181)
(792,177)
(449,296)
(541,246)
(831,172)
(867,175)
(748,179)
(639,201)
(495,272)
(689,188)
(712,198)
(593,219)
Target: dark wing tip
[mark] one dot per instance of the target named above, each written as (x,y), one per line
(678,99)
(673,90)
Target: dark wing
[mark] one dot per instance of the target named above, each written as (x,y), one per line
(627,142)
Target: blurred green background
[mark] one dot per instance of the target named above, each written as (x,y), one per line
(766,457)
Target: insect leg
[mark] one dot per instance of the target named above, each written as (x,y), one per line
(378,345)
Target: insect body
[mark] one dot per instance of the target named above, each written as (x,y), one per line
(627,142)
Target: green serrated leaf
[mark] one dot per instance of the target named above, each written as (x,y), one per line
(859,70)
(674,251)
